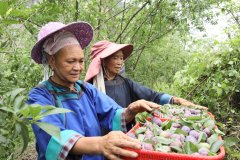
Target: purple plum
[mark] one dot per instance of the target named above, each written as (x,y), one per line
(186,129)
(165,134)
(157,121)
(147,146)
(149,134)
(196,154)
(207,131)
(203,151)
(176,125)
(195,112)
(191,139)
(177,143)
(179,137)
(148,124)
(182,137)
(194,134)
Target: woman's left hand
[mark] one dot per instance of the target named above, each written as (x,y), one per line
(186,103)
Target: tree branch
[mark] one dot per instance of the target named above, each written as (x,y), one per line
(131,20)
(123,16)
(112,17)
(77,10)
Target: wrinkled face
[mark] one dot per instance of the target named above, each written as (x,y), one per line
(67,64)
(113,63)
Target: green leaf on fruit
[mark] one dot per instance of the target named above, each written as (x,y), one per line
(179,131)
(216,146)
(189,148)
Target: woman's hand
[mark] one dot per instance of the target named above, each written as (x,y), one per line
(186,103)
(138,107)
(112,144)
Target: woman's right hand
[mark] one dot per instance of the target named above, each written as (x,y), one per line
(112,145)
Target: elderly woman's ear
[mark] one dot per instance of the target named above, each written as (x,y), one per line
(50,60)
(51,63)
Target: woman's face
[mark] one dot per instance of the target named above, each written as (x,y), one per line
(113,63)
(67,64)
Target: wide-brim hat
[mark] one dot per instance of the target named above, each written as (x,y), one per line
(83,32)
(102,50)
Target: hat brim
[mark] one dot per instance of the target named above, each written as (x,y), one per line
(113,48)
(82,30)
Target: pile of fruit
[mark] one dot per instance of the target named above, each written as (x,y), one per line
(171,111)
(190,132)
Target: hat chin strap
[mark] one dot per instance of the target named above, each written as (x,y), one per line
(98,81)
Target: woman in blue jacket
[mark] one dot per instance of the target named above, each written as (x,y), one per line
(60,49)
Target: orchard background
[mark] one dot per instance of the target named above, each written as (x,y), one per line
(173,53)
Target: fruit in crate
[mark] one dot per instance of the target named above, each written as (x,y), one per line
(186,135)
(176,111)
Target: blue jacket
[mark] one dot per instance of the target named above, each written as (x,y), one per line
(92,109)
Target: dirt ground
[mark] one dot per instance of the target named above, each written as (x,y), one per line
(30,153)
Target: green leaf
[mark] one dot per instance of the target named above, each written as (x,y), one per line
(15,92)
(141,137)
(17,130)
(140,130)
(230,141)
(176,148)
(3,139)
(216,146)
(25,112)
(194,118)
(5,109)
(53,111)
(209,123)
(212,153)
(202,137)
(218,131)
(163,140)
(167,125)
(35,110)
(179,131)
(10,21)
(50,129)
(18,102)
(3,8)
(189,148)
(142,117)
(196,127)
(156,129)
(213,138)
(184,122)
(25,136)
(8,11)
(163,148)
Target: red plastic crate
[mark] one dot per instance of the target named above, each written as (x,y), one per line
(155,155)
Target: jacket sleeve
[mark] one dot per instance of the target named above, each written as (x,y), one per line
(141,92)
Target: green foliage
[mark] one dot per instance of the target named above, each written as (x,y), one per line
(16,116)
(18,71)
(160,62)
(213,79)
(158,30)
